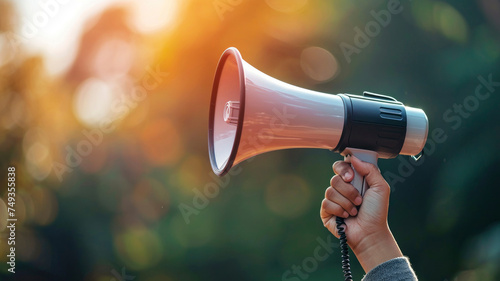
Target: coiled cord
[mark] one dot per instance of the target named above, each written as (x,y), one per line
(344,249)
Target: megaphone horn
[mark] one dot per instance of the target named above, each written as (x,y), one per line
(252,113)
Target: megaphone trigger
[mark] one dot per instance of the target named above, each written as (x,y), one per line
(364,155)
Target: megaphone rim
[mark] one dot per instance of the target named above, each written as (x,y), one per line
(232,51)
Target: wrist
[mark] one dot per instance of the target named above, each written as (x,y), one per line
(377,248)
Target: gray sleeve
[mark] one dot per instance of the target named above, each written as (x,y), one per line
(397,269)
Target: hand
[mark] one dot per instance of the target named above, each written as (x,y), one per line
(367,231)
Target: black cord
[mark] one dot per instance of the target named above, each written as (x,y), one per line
(344,249)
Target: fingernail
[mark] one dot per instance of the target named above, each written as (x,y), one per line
(354,211)
(358,200)
(345,215)
(347,175)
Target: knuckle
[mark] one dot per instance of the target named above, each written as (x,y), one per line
(336,165)
(340,167)
(332,208)
(330,193)
(324,203)
(336,181)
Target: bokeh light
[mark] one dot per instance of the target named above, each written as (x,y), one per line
(37,153)
(193,164)
(139,248)
(441,17)
(93,102)
(319,64)
(154,16)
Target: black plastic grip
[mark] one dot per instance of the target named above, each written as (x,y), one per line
(373,122)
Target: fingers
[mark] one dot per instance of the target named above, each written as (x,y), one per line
(329,212)
(346,189)
(336,197)
(329,208)
(344,170)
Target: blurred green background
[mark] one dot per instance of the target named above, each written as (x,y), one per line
(104,113)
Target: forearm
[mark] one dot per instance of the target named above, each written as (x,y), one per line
(377,249)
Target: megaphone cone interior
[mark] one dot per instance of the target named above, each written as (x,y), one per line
(252,113)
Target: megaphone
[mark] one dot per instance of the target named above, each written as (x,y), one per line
(252,113)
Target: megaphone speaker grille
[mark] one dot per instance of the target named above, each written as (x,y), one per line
(227,108)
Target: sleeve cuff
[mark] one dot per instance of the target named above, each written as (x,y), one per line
(397,269)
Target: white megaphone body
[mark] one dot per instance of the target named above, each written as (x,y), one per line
(252,113)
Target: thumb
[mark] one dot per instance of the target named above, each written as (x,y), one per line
(371,173)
